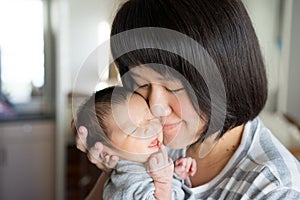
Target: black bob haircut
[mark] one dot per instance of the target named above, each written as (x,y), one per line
(223,28)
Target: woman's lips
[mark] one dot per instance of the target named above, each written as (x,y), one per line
(170,126)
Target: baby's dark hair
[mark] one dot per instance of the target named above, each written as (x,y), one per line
(96,111)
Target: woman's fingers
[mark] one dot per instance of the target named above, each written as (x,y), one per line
(113,161)
(81,135)
(81,139)
(99,156)
(98,153)
(95,154)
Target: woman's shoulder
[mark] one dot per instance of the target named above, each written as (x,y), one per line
(267,161)
(257,181)
(255,177)
(266,150)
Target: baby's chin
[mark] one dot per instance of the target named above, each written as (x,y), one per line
(136,157)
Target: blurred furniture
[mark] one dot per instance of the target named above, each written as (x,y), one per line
(286,128)
(81,175)
(295,150)
(27,160)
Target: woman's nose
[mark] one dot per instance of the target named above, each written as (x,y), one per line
(160,110)
(159,102)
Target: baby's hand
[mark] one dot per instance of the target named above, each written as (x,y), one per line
(185,167)
(160,166)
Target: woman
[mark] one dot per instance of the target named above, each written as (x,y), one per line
(209,110)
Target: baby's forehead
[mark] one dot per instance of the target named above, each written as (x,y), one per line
(132,100)
(137,97)
(137,100)
(130,112)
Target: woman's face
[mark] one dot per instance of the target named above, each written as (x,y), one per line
(169,101)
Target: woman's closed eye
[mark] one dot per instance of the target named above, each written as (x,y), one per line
(175,90)
(145,86)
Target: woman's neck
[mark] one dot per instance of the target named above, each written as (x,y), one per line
(215,161)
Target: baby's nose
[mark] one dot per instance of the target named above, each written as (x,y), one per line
(160,110)
(152,129)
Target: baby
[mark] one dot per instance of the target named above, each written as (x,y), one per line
(122,121)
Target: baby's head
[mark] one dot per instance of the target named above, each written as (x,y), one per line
(122,121)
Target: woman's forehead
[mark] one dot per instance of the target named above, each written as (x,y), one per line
(145,71)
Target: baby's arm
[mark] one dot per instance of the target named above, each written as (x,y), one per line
(185,167)
(161,169)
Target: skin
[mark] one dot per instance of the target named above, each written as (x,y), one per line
(182,126)
(134,131)
(169,101)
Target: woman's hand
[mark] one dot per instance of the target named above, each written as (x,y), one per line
(98,154)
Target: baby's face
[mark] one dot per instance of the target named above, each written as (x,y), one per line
(134,130)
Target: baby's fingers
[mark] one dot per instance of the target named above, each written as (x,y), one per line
(188,164)
(180,162)
(193,168)
(157,161)
(152,163)
(164,153)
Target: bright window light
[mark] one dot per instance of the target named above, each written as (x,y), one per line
(22,48)
(103,59)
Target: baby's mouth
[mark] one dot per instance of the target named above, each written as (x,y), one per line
(155,143)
